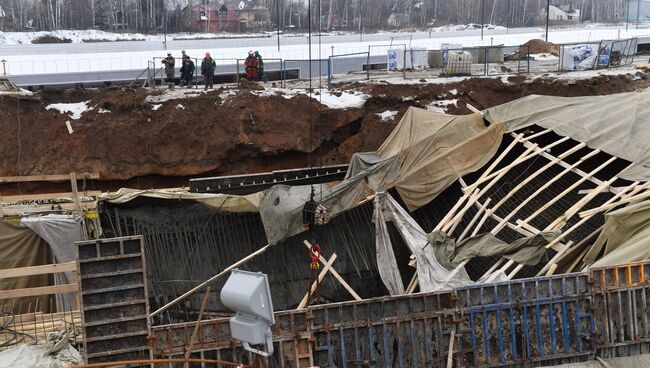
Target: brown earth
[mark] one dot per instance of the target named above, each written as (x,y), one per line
(136,146)
(537,46)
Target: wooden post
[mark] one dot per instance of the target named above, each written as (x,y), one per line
(450,354)
(75,191)
(196,327)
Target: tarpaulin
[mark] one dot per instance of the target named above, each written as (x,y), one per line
(432,150)
(226,202)
(60,232)
(432,276)
(625,237)
(527,251)
(21,247)
(618,124)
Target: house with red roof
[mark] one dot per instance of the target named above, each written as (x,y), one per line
(217,18)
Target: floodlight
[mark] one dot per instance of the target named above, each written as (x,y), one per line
(248,294)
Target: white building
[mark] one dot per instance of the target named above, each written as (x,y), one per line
(564,13)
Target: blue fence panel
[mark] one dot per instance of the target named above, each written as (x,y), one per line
(404,331)
(526,320)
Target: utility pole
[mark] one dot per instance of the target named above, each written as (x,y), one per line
(482,15)
(361,20)
(548,16)
(277,20)
(627,15)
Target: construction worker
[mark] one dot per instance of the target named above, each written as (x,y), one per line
(187,71)
(260,66)
(208,66)
(169,62)
(251,65)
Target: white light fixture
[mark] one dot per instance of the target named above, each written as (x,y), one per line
(248,294)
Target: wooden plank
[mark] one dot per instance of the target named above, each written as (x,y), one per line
(63,177)
(47,196)
(75,191)
(321,276)
(22,209)
(38,270)
(38,291)
(336,275)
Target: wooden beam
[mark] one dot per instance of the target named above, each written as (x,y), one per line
(312,289)
(63,177)
(38,291)
(47,196)
(336,275)
(38,270)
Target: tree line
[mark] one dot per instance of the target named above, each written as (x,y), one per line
(152,16)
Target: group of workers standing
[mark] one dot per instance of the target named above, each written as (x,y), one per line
(254,65)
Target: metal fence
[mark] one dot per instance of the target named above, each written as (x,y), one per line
(304,69)
(349,67)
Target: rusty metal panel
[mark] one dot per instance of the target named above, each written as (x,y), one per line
(114,300)
(621,303)
(524,321)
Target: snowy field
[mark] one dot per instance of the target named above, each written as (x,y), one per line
(44,59)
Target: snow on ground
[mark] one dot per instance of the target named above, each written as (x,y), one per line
(91,36)
(543,57)
(441,105)
(173,94)
(156,107)
(74,110)
(388,115)
(587,74)
(331,99)
(464,27)
(32,62)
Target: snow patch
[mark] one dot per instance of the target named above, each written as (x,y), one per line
(544,57)
(454,91)
(103,111)
(333,100)
(441,105)
(388,115)
(407,98)
(75,110)
(180,107)
(172,94)
(156,107)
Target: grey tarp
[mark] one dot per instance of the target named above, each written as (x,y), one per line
(528,250)
(432,276)
(625,237)
(60,232)
(21,247)
(618,124)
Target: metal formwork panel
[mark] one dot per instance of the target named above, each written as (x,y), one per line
(114,300)
(403,331)
(621,297)
(527,320)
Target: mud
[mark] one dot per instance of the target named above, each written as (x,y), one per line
(137,146)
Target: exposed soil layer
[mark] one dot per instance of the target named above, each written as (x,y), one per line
(137,145)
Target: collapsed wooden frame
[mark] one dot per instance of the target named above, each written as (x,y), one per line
(572,220)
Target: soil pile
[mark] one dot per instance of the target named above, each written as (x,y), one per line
(137,138)
(537,46)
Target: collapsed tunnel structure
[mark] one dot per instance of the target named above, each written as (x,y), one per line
(503,259)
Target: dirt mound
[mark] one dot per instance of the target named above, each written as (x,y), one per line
(537,46)
(137,138)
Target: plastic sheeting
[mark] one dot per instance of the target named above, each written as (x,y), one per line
(21,247)
(618,124)
(56,353)
(433,150)
(527,251)
(625,237)
(60,232)
(635,361)
(432,276)
(226,202)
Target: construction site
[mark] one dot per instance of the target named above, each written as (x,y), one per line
(461,208)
